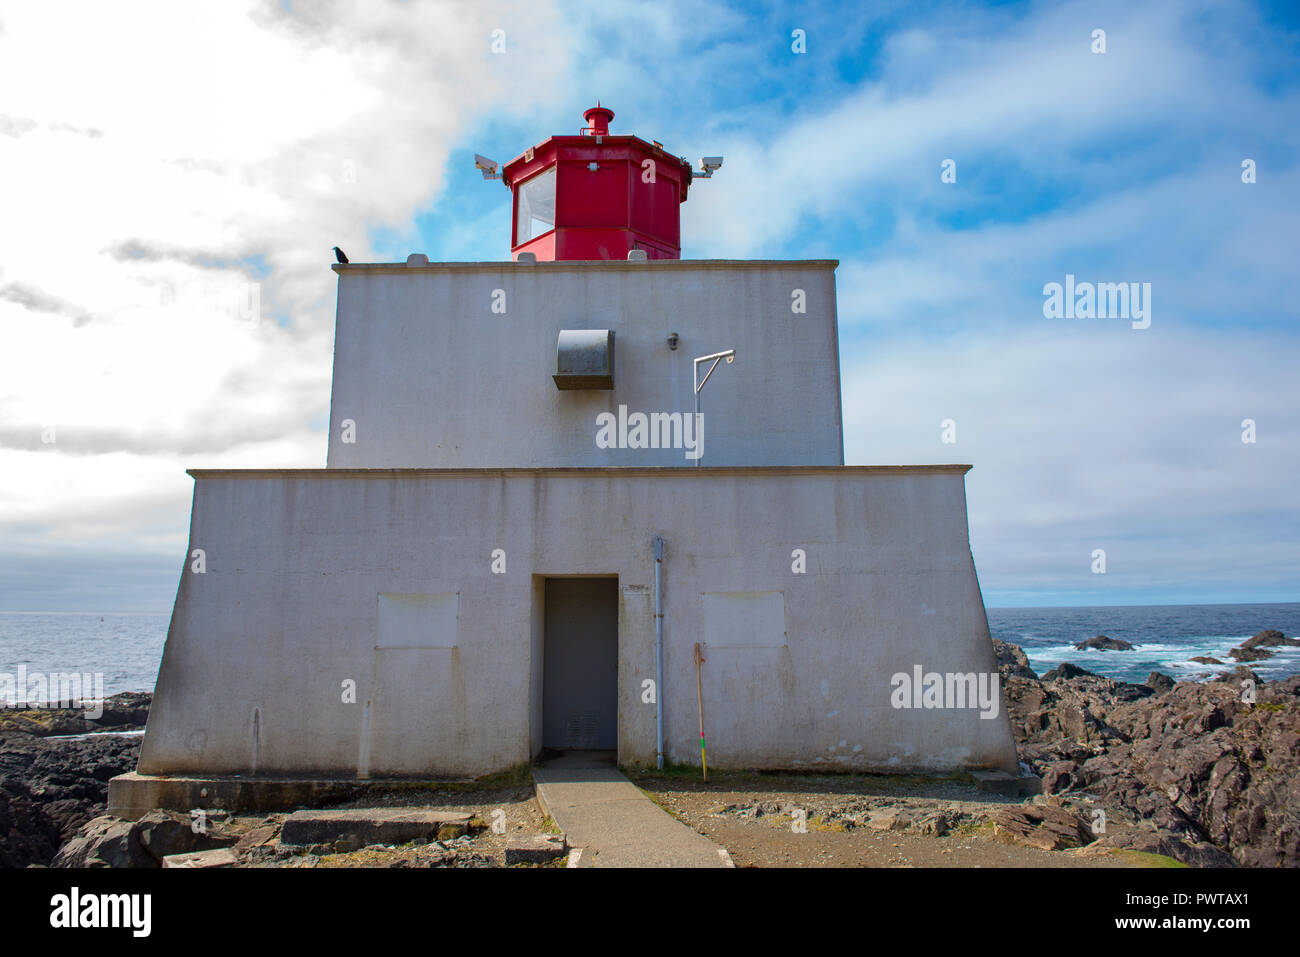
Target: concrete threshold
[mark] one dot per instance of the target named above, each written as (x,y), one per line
(133,795)
(610,823)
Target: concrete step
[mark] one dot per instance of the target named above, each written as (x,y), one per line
(219,857)
(373,825)
(535,848)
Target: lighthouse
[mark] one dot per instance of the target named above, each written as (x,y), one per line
(597,195)
(524,528)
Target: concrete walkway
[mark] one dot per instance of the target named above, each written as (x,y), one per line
(610,823)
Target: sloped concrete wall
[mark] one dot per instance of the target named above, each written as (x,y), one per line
(287,611)
(428,375)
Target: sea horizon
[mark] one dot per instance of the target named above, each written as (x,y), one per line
(988,607)
(126,646)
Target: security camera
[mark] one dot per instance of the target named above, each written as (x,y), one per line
(488,167)
(731,358)
(708,166)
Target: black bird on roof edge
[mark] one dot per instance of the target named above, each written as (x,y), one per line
(340,255)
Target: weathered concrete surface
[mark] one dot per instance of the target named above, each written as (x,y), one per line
(372,825)
(133,794)
(615,824)
(432,377)
(267,642)
(220,857)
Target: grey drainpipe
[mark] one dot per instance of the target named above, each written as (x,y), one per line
(659,652)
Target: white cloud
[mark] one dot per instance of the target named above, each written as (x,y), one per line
(167,165)
(166,162)
(1086,435)
(1025,92)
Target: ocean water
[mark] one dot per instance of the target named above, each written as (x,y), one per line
(127,647)
(1165,636)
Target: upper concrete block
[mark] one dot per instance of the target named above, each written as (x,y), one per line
(451,365)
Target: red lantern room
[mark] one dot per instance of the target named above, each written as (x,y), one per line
(597,195)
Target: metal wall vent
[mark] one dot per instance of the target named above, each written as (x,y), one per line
(584,359)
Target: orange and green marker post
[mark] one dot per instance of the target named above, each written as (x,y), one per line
(699,696)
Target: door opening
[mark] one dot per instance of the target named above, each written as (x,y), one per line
(580,664)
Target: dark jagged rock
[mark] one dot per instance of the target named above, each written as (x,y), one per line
(1188,850)
(104,842)
(1159,683)
(1206,660)
(1205,776)
(1239,674)
(129,709)
(1270,638)
(1250,654)
(1042,826)
(1067,670)
(111,842)
(1012,660)
(1256,648)
(1060,776)
(50,787)
(1194,853)
(122,711)
(1102,643)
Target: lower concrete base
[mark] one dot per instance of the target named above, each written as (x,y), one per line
(133,795)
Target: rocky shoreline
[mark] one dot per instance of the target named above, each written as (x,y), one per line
(51,786)
(1205,772)
(1201,771)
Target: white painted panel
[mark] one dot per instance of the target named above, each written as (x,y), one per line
(417,621)
(744,619)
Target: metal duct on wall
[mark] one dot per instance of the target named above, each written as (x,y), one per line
(584,359)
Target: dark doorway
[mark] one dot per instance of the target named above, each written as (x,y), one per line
(580,664)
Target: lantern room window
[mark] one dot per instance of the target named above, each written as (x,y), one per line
(535,206)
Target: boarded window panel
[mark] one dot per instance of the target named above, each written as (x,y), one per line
(656,208)
(593,197)
(744,619)
(417,620)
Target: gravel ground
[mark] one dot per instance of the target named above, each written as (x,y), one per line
(751,815)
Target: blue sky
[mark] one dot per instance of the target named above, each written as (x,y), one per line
(138,213)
